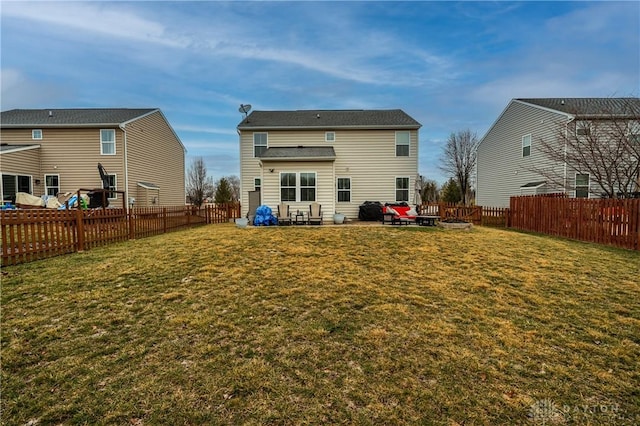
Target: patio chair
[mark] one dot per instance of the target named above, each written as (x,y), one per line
(315,214)
(284,217)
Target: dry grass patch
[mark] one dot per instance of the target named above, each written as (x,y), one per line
(220,325)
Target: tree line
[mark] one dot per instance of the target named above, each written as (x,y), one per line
(202,189)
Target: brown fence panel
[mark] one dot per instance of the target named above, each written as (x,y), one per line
(606,221)
(495,216)
(222,213)
(452,211)
(33,234)
(104,226)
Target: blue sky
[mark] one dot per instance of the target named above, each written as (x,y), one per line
(450,65)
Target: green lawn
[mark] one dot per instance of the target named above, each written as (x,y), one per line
(329,325)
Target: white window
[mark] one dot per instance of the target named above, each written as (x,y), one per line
(52,184)
(260,143)
(308,186)
(112,186)
(257,184)
(36,134)
(108,142)
(402,144)
(344,190)
(330,136)
(287,187)
(402,189)
(582,185)
(583,128)
(11,184)
(298,186)
(526,145)
(634,133)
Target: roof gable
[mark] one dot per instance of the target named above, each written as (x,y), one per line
(329,119)
(71,117)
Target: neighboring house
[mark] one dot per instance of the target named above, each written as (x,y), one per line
(511,156)
(51,151)
(337,158)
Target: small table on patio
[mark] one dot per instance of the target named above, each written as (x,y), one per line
(300,220)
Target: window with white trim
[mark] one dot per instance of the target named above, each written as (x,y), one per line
(107,142)
(36,134)
(287,187)
(111,187)
(402,189)
(582,185)
(257,184)
(12,184)
(344,189)
(52,184)
(403,141)
(308,186)
(526,145)
(583,128)
(260,143)
(330,136)
(634,133)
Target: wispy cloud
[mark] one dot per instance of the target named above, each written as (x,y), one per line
(109,19)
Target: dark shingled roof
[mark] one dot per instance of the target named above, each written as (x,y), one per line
(299,153)
(622,107)
(70,117)
(329,119)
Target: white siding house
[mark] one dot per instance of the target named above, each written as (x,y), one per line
(509,156)
(339,159)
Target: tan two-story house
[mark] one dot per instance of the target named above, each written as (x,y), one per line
(51,151)
(337,158)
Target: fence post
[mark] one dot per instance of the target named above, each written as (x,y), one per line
(164,220)
(132,230)
(80,228)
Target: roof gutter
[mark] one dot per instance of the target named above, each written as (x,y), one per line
(301,159)
(329,126)
(123,127)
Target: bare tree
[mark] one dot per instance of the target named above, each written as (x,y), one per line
(603,144)
(234,182)
(199,186)
(459,160)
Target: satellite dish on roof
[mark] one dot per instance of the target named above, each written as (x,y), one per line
(244,109)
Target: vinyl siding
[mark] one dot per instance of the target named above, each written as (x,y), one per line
(368,157)
(501,168)
(155,155)
(74,154)
(27,163)
(324,189)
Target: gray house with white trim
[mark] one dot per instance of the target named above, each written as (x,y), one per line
(510,155)
(338,158)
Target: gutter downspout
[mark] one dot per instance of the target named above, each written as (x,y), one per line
(564,154)
(126,165)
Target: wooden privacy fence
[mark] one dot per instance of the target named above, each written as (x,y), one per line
(34,234)
(478,215)
(613,222)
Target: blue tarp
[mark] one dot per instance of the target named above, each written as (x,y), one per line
(264,217)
